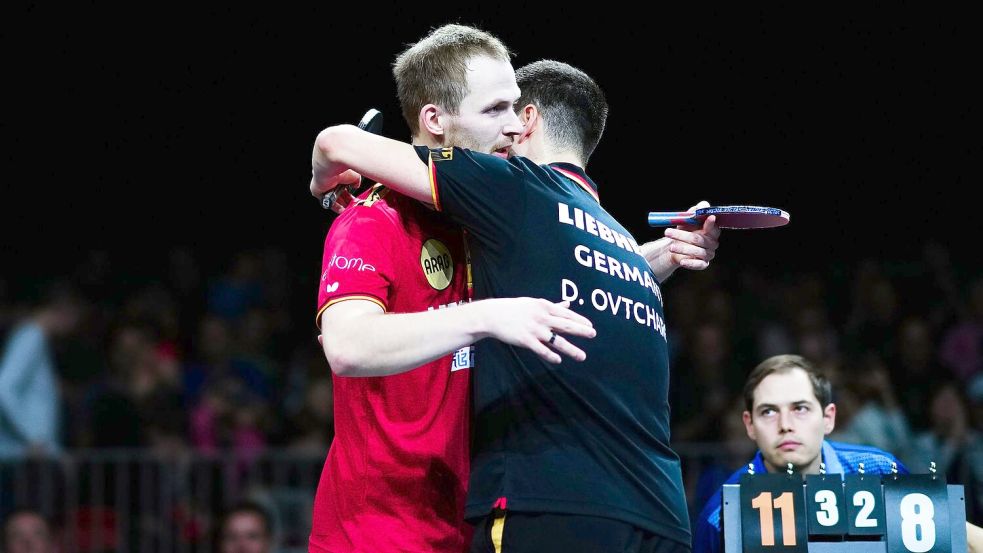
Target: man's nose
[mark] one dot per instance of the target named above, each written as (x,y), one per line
(513,126)
(785,421)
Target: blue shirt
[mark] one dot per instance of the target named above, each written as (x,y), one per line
(840,458)
(29,397)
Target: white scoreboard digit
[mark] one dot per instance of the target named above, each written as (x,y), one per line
(918,514)
(864,505)
(825,506)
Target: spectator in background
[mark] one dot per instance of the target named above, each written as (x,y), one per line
(816,339)
(30,401)
(255,343)
(306,365)
(704,380)
(28,531)
(314,427)
(246,528)
(873,324)
(238,290)
(914,368)
(954,446)
(938,299)
(139,373)
(215,360)
(877,420)
(228,417)
(733,451)
(228,394)
(793,315)
(962,345)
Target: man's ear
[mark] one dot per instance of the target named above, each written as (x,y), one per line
(432,120)
(530,119)
(749,426)
(829,418)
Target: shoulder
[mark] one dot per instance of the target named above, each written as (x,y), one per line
(379,206)
(463,157)
(24,335)
(875,460)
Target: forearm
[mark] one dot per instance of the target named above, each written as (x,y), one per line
(394,163)
(380,344)
(656,253)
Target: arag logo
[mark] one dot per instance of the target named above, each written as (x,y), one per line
(435,259)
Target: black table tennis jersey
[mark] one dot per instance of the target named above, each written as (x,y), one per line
(587,438)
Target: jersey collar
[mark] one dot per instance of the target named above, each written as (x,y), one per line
(577,175)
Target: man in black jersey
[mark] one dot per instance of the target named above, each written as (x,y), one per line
(564,458)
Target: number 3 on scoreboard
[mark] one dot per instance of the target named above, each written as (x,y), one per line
(827,509)
(828,513)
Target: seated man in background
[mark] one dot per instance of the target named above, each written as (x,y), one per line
(246,528)
(789,411)
(27,531)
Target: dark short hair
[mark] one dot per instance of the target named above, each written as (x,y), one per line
(784,364)
(571,103)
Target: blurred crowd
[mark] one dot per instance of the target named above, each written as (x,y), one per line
(184,361)
(215,355)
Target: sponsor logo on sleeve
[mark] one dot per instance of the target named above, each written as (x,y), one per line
(343,263)
(441,154)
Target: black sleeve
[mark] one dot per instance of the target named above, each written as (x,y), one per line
(483,193)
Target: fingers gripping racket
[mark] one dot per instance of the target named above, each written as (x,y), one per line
(728,216)
(371,122)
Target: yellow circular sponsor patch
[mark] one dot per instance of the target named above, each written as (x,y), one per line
(435,259)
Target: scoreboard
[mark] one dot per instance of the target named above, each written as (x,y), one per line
(833,513)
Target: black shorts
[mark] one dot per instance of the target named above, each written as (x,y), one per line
(513,532)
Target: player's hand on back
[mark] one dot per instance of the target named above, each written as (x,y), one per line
(530,323)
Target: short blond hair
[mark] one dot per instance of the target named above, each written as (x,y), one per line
(434,70)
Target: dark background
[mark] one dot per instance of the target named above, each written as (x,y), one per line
(135,131)
(160,158)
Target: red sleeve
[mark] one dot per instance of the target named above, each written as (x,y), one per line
(357,261)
